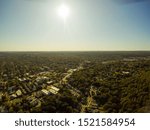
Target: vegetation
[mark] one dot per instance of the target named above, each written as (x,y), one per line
(86,81)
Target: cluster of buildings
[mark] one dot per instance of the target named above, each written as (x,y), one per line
(33,88)
(40,85)
(50,90)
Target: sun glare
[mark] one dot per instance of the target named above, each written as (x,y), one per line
(63,11)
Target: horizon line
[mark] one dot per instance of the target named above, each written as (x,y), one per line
(81,51)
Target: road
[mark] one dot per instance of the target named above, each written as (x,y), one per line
(91,103)
(70,72)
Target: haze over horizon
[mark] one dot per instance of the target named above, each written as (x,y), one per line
(34,25)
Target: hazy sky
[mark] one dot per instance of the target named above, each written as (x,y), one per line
(34,25)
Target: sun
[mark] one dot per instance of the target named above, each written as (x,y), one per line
(64,11)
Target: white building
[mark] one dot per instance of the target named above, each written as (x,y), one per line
(45,92)
(18,92)
(53,89)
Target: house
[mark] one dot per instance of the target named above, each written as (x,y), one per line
(18,92)
(45,92)
(53,89)
(13,96)
(22,80)
(49,82)
(125,72)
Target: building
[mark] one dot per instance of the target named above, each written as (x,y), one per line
(125,72)
(18,92)
(49,82)
(53,89)
(13,96)
(45,92)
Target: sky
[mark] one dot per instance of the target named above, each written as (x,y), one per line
(92,25)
